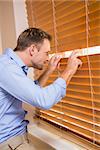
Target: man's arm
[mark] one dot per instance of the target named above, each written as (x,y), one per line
(73,63)
(18,85)
(53,63)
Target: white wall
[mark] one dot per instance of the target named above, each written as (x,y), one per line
(20,16)
(13,20)
(7,25)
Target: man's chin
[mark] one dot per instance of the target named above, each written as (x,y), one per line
(39,66)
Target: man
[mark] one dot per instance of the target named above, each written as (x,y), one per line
(33,47)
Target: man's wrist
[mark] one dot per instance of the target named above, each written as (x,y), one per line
(66,75)
(48,72)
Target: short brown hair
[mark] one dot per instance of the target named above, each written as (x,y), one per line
(30,36)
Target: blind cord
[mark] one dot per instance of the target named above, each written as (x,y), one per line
(56,47)
(89,66)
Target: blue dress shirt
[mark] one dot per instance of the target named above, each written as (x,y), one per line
(15,88)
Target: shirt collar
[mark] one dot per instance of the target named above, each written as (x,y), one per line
(10,53)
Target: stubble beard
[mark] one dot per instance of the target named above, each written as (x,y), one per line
(37,66)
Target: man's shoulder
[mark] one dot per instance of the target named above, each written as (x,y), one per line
(3,61)
(7,64)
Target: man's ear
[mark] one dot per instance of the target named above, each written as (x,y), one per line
(32,50)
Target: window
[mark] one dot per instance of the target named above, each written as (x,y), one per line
(67,22)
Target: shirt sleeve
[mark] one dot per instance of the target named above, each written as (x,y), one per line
(16,83)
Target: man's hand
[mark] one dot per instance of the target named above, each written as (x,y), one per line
(73,63)
(54,63)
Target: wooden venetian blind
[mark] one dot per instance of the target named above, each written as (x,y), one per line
(66,21)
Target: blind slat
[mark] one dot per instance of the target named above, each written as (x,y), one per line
(86,122)
(77,109)
(71,127)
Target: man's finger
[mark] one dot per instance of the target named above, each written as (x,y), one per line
(80,63)
(58,66)
(55,59)
(52,59)
(58,57)
(75,53)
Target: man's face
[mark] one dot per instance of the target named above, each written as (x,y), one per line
(41,56)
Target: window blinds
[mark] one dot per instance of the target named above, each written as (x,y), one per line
(67,22)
